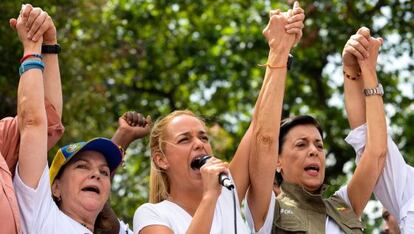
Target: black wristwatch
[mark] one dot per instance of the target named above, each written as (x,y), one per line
(290,61)
(51,49)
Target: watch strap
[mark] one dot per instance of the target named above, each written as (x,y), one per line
(379,90)
(290,61)
(51,49)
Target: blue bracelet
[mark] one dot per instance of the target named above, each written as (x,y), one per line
(31,64)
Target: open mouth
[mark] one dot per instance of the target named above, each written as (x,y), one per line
(91,189)
(199,161)
(314,168)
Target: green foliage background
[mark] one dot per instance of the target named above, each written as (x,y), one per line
(154,56)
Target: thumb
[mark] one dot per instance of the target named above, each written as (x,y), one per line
(364,31)
(13,23)
(296,5)
(380,40)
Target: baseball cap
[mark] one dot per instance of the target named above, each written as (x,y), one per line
(112,153)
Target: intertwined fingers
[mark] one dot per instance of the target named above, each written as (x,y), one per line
(31,16)
(37,23)
(358,45)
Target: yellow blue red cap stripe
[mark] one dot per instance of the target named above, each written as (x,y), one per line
(106,147)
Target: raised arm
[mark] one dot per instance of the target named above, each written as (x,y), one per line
(268,111)
(131,126)
(365,49)
(40,25)
(31,114)
(240,162)
(355,48)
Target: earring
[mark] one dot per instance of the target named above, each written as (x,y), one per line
(58,198)
(278,169)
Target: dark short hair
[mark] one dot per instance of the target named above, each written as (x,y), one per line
(287,124)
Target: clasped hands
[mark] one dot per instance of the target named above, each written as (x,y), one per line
(284,29)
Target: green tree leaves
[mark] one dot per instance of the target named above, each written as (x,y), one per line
(155,56)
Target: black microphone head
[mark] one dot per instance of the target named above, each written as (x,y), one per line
(199,162)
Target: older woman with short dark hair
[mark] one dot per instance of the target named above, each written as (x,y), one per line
(294,149)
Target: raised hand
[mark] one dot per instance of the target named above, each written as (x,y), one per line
(135,123)
(356,48)
(361,51)
(296,16)
(275,32)
(284,30)
(132,125)
(374,45)
(19,25)
(38,24)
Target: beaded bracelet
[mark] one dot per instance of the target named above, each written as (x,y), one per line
(348,76)
(30,55)
(31,64)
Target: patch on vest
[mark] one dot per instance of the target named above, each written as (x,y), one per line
(286,211)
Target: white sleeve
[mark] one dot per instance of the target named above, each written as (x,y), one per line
(407,218)
(393,188)
(343,193)
(35,204)
(147,215)
(267,226)
(407,225)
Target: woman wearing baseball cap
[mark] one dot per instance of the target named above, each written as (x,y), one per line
(72,193)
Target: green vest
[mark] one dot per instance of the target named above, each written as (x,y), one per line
(298,211)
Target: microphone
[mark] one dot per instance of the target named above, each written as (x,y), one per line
(224,180)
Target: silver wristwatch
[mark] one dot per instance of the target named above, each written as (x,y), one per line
(379,90)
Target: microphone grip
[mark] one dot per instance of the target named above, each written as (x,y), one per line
(225,181)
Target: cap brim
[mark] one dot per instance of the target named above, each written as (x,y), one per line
(107,148)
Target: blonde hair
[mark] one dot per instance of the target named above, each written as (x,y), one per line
(159,183)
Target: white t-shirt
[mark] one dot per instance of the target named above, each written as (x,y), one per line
(395,187)
(171,215)
(39,212)
(330,225)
